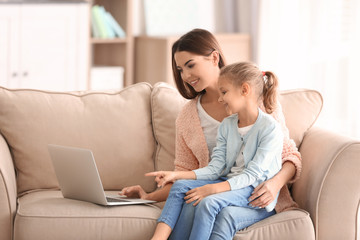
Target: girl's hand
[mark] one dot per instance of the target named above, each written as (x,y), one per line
(134,192)
(265,193)
(163,177)
(199,193)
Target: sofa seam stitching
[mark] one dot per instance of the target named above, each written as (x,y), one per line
(8,203)
(346,146)
(277,223)
(74,94)
(82,217)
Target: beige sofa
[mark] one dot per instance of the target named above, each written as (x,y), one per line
(132,132)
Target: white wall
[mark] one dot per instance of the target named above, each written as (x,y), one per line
(176,17)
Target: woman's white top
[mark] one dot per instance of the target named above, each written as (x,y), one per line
(209,126)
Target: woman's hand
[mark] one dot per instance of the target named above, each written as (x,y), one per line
(199,193)
(134,192)
(265,193)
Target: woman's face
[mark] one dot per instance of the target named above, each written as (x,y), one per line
(197,70)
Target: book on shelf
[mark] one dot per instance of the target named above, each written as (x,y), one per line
(104,25)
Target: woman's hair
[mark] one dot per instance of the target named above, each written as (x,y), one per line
(200,42)
(265,84)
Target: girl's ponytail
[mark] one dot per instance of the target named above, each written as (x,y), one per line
(270,91)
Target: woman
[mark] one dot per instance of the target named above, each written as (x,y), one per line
(196,62)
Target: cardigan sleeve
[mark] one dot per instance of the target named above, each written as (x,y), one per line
(290,152)
(185,160)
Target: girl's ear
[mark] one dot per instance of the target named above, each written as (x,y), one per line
(245,89)
(215,57)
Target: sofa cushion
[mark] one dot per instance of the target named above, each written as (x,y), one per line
(166,103)
(301,108)
(47,215)
(116,126)
(293,224)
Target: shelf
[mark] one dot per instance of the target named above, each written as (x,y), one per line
(115,51)
(108,41)
(236,48)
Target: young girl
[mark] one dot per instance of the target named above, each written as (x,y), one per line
(247,153)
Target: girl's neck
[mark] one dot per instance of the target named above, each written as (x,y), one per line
(248,116)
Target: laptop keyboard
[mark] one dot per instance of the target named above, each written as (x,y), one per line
(108,199)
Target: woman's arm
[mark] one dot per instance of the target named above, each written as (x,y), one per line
(290,171)
(290,152)
(160,194)
(266,192)
(138,192)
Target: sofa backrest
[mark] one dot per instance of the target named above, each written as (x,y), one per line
(116,126)
(301,108)
(166,103)
(130,132)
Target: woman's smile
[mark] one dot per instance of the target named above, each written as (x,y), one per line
(193,83)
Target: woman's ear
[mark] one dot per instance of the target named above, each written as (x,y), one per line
(215,56)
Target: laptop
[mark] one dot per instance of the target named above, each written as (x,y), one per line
(79,178)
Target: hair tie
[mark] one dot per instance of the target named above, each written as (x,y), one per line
(265,78)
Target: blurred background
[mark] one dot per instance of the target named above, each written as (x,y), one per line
(103,44)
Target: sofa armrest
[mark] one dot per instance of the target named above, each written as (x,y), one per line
(7,191)
(329,186)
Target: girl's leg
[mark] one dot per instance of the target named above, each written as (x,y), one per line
(209,207)
(184,224)
(232,219)
(174,203)
(162,231)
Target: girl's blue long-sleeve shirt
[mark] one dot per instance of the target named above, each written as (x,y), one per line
(262,152)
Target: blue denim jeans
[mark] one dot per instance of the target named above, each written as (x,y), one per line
(217,216)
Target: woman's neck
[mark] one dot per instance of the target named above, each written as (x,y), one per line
(211,95)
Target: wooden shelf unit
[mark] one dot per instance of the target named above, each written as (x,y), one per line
(116,51)
(153,55)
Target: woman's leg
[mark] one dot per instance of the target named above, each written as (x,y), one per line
(232,219)
(209,207)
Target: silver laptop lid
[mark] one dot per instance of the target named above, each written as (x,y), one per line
(77,174)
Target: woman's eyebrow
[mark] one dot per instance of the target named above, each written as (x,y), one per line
(179,67)
(187,62)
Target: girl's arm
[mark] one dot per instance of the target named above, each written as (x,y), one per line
(165,177)
(199,193)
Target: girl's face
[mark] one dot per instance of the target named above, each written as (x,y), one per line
(231,96)
(197,70)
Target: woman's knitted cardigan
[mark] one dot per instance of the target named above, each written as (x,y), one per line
(191,150)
